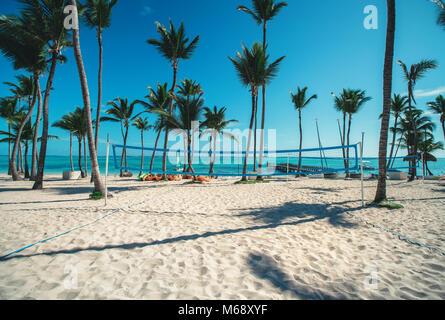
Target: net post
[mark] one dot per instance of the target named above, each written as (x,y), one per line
(361,169)
(106,169)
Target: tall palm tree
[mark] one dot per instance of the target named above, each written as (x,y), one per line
(438,107)
(7,112)
(300,102)
(174,46)
(416,72)
(387,91)
(142,124)
(158,99)
(97,15)
(254,71)
(98,184)
(66,123)
(188,111)
(123,112)
(263,11)
(398,105)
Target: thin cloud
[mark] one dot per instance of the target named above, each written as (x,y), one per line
(429,93)
(146,10)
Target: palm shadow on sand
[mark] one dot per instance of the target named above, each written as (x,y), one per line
(288,214)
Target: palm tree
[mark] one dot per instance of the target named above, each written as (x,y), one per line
(95,172)
(398,105)
(97,14)
(121,111)
(66,123)
(143,125)
(158,100)
(422,125)
(441,5)
(189,88)
(78,126)
(215,124)
(427,147)
(300,102)
(254,71)
(438,107)
(387,91)
(174,46)
(415,73)
(349,103)
(7,111)
(22,42)
(188,111)
(263,12)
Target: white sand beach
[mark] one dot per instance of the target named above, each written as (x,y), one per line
(167,240)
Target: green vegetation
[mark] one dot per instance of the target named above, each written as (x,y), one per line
(251,181)
(387,204)
(96,195)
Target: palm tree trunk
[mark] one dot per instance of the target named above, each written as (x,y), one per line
(36,130)
(443,127)
(301,140)
(164,157)
(9,150)
(263,116)
(210,155)
(99,89)
(20,164)
(393,141)
(254,134)
(154,151)
(98,185)
(347,150)
(38,184)
(412,170)
(252,118)
(15,175)
(80,158)
(85,156)
(142,157)
(387,91)
(189,149)
(26,160)
(185,153)
(71,151)
(344,138)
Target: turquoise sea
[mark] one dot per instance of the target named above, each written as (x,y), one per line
(57,164)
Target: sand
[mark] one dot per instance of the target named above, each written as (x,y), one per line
(301,239)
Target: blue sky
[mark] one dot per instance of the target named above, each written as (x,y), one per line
(325,43)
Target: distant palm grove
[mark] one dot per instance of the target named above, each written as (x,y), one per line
(34,41)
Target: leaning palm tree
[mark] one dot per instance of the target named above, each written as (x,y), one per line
(157,100)
(22,42)
(7,112)
(66,123)
(123,112)
(97,15)
(416,72)
(263,11)
(215,124)
(438,107)
(387,91)
(254,71)
(143,125)
(174,46)
(300,102)
(98,184)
